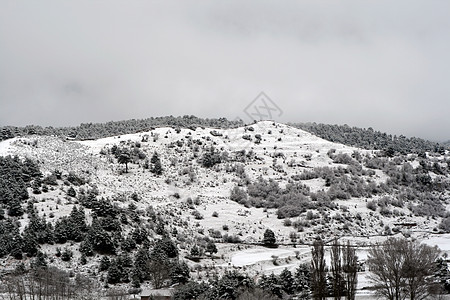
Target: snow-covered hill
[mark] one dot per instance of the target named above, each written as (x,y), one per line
(194,199)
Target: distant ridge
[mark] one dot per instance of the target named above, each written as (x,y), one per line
(370,139)
(344,134)
(90,131)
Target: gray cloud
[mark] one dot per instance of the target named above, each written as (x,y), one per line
(379,64)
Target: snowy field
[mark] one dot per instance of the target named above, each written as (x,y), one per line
(262,260)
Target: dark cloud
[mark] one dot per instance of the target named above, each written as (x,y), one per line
(380,64)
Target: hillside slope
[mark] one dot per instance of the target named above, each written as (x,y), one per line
(228,186)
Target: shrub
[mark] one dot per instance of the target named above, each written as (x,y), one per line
(445,224)
(238,195)
(197,215)
(372,205)
(231,239)
(287,222)
(289,211)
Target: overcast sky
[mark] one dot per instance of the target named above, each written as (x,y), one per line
(379,64)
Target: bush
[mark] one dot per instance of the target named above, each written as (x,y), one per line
(445,224)
(372,205)
(287,222)
(238,195)
(66,255)
(231,239)
(197,215)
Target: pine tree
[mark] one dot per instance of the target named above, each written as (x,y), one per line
(272,285)
(211,248)
(195,251)
(102,242)
(179,273)
(15,208)
(269,238)
(104,263)
(287,281)
(156,164)
(166,246)
(83,259)
(114,274)
(30,244)
(302,279)
(40,262)
(141,271)
(124,158)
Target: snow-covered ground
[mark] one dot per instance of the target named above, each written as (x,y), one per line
(283,151)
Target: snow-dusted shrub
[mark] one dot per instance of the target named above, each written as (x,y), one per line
(231,239)
(289,211)
(197,215)
(385,211)
(372,205)
(343,158)
(238,195)
(287,222)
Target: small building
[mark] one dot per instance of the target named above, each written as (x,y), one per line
(157,294)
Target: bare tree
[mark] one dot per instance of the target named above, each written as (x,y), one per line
(318,279)
(159,270)
(41,284)
(350,268)
(400,268)
(336,269)
(418,269)
(385,262)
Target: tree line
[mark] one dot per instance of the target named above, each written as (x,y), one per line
(370,139)
(89,131)
(344,134)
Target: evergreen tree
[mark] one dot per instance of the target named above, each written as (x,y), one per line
(179,272)
(71,192)
(86,247)
(195,251)
(124,158)
(156,164)
(287,281)
(114,273)
(269,238)
(272,285)
(83,259)
(15,208)
(67,254)
(102,242)
(30,245)
(167,247)
(61,231)
(302,279)
(40,261)
(104,263)
(141,270)
(211,248)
